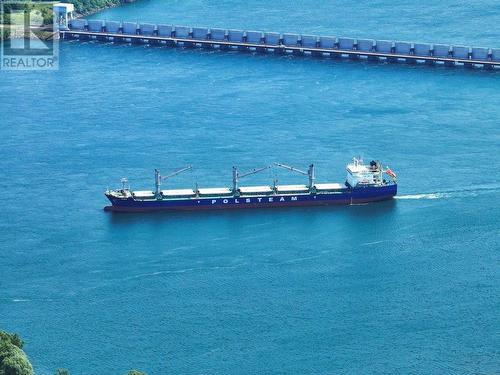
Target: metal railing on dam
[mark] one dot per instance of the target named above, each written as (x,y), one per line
(386,50)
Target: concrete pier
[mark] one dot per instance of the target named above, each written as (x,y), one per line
(265,42)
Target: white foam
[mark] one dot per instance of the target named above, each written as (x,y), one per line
(471,191)
(423,196)
(372,243)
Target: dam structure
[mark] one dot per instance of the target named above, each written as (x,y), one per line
(283,43)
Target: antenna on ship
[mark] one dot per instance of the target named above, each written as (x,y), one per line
(124,182)
(311,173)
(237,175)
(159,178)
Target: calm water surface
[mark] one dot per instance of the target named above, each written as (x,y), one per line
(408,286)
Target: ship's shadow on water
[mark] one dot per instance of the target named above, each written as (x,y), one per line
(369,211)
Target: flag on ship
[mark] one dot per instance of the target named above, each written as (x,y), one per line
(390,173)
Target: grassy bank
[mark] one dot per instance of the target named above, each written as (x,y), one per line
(38,14)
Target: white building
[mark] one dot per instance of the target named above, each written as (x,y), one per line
(63,13)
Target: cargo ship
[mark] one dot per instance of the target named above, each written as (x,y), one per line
(364,183)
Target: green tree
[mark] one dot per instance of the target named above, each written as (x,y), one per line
(16,340)
(135,372)
(13,338)
(13,361)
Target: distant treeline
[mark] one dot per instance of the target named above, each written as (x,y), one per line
(13,360)
(84,7)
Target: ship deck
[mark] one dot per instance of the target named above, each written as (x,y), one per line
(243,191)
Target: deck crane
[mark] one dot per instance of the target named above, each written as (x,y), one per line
(237,176)
(310,173)
(159,178)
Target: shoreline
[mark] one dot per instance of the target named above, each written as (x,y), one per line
(97,10)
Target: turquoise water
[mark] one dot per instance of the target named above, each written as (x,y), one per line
(408,286)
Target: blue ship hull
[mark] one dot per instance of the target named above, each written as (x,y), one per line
(345,196)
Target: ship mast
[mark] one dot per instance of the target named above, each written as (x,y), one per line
(237,175)
(311,173)
(159,178)
(125,185)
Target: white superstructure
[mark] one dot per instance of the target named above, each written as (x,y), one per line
(359,173)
